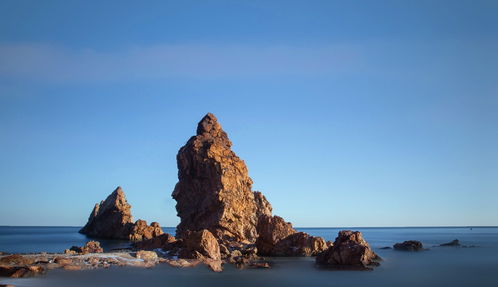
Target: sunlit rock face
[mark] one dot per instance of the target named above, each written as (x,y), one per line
(111,218)
(214,190)
(214,193)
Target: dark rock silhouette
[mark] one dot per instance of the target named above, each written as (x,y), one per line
(349,250)
(451,243)
(410,245)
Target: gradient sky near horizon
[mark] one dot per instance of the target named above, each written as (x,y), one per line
(347,113)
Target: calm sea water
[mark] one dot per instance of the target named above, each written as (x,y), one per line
(439,266)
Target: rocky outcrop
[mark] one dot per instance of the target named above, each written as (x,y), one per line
(214,193)
(299,244)
(409,245)
(263,207)
(214,190)
(141,231)
(200,244)
(163,241)
(89,247)
(112,219)
(271,230)
(349,251)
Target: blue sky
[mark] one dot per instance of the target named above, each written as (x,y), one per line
(347,113)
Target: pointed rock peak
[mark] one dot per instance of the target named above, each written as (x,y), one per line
(209,124)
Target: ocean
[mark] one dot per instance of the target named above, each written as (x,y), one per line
(438,266)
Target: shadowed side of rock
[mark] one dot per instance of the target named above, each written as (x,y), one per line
(349,251)
(112,219)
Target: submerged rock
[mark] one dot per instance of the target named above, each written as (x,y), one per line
(455,242)
(214,190)
(409,245)
(349,250)
(112,219)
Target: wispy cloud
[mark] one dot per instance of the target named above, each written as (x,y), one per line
(49,63)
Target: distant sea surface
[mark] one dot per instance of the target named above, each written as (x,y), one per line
(439,266)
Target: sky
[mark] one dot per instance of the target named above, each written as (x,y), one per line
(347,113)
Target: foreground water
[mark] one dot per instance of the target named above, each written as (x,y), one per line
(439,266)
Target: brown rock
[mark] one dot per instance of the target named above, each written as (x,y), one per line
(271,229)
(299,244)
(141,231)
(20,271)
(263,207)
(163,241)
(410,245)
(16,259)
(62,261)
(111,218)
(89,247)
(147,255)
(214,189)
(350,250)
(72,267)
(200,244)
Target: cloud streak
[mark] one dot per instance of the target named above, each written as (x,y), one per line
(48,63)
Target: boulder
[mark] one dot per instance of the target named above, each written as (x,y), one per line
(214,190)
(349,251)
(271,229)
(141,231)
(16,259)
(163,241)
(199,245)
(89,247)
(147,255)
(20,271)
(299,244)
(111,218)
(410,245)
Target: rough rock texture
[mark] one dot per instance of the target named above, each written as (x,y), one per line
(263,207)
(410,245)
(214,189)
(163,241)
(147,255)
(349,250)
(141,231)
(111,218)
(89,247)
(271,230)
(299,244)
(199,245)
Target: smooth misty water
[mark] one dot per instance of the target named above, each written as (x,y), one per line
(439,266)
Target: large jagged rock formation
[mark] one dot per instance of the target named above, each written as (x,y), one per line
(214,189)
(112,219)
(214,193)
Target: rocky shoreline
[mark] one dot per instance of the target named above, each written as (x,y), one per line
(222,221)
